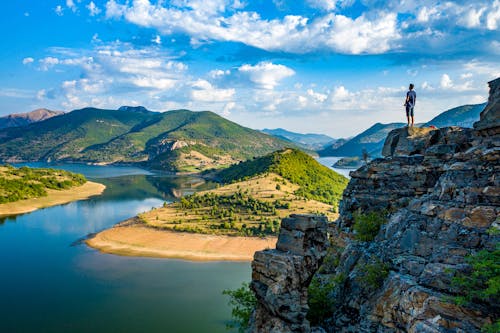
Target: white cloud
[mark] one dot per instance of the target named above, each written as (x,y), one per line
(28,60)
(93,9)
(226,111)
(446,81)
(217,73)
(425,14)
(204,21)
(266,74)
(157,40)
(317,97)
(204,91)
(323,4)
(71,5)
(493,18)
(47,63)
(59,10)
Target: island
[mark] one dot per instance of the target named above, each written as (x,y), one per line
(25,189)
(236,219)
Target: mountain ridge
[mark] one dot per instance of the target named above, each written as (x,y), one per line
(26,118)
(176,140)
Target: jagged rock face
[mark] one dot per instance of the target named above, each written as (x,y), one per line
(280,277)
(415,161)
(442,193)
(490,116)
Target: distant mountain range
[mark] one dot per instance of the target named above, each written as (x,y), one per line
(372,139)
(308,141)
(23,119)
(463,116)
(179,140)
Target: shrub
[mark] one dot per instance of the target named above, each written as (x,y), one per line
(483,281)
(320,299)
(242,301)
(368,225)
(374,274)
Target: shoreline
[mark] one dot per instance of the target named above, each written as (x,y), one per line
(131,239)
(53,198)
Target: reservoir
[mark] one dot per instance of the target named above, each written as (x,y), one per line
(51,282)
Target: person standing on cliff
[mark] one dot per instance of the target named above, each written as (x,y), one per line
(411,98)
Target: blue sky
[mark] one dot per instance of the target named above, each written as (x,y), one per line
(325,66)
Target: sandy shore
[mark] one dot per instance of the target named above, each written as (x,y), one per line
(54,197)
(137,240)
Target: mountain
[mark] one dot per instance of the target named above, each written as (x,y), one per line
(309,140)
(463,116)
(23,119)
(371,140)
(178,140)
(316,181)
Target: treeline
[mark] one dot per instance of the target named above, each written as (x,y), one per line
(239,213)
(25,183)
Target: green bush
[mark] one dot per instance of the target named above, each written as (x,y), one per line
(368,225)
(374,274)
(242,301)
(320,299)
(482,283)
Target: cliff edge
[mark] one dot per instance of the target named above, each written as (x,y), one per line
(409,224)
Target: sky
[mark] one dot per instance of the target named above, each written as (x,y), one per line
(319,66)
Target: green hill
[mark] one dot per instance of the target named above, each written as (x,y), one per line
(315,180)
(178,140)
(25,183)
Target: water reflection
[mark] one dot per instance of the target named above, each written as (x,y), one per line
(50,285)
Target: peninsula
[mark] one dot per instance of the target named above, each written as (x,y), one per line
(23,190)
(235,220)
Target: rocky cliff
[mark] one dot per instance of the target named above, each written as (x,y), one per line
(280,277)
(408,224)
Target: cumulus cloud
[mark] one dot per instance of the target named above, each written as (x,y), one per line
(266,74)
(205,21)
(59,10)
(204,91)
(93,9)
(446,81)
(493,18)
(116,69)
(47,63)
(71,5)
(28,60)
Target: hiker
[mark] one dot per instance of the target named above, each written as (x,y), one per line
(411,98)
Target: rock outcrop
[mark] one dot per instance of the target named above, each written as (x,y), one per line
(439,193)
(280,277)
(490,116)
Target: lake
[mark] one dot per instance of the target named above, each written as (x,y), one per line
(51,282)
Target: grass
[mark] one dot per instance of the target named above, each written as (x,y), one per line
(315,181)
(253,207)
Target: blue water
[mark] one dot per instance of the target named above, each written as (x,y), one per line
(330,161)
(51,282)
